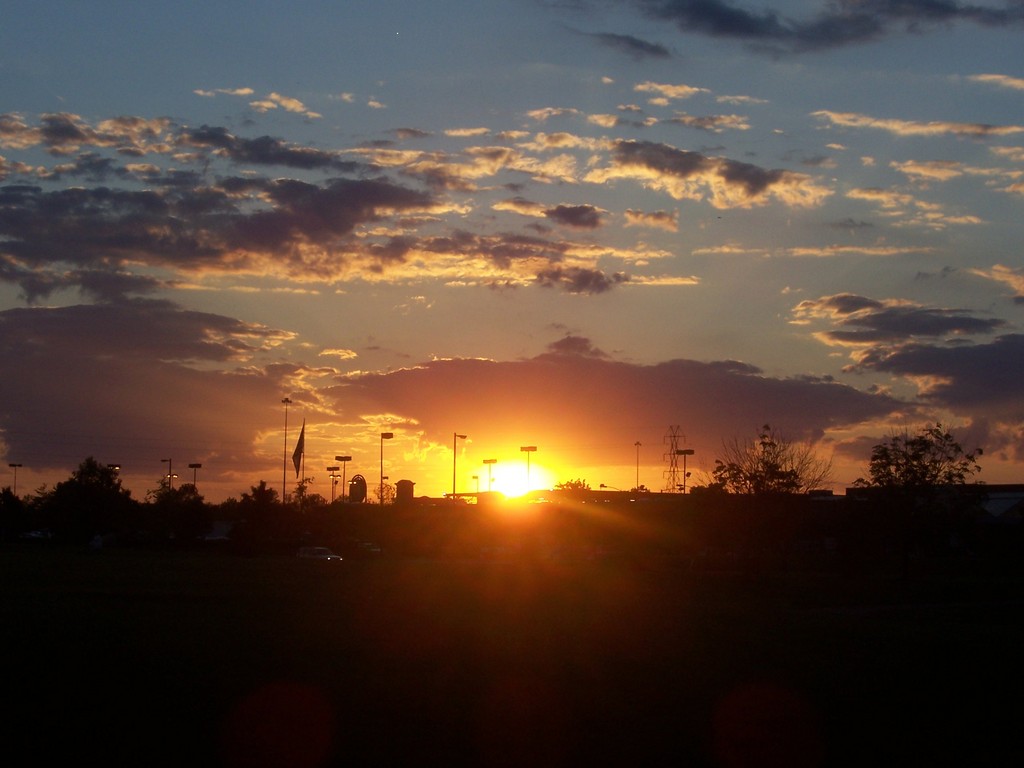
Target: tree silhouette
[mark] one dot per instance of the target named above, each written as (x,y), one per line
(919,481)
(930,458)
(180,513)
(573,485)
(770,464)
(90,502)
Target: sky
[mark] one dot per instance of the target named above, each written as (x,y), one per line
(608,230)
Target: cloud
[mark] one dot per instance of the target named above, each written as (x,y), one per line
(712,123)
(343,354)
(842,23)
(666,220)
(149,380)
(1005,81)
(287,103)
(633,47)
(669,91)
(263,150)
(577,346)
(242,225)
(466,132)
(690,175)
(980,382)
(1013,277)
(227,91)
(864,322)
(546,113)
(575,402)
(914,128)
(579,279)
(63,133)
(578,216)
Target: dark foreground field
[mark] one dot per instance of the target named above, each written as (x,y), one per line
(135,658)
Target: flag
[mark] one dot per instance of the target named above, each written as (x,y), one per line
(300,448)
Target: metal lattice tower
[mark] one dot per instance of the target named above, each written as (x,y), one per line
(672,473)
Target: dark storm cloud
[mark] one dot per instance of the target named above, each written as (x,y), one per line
(116,381)
(579,216)
(575,397)
(143,328)
(982,382)
(580,279)
(842,23)
(633,47)
(864,321)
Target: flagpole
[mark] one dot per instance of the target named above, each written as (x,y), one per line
(284,468)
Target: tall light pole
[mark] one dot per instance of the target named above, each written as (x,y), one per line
(383,436)
(637,444)
(15,468)
(455,452)
(684,452)
(344,468)
(334,480)
(194,468)
(284,465)
(528,449)
(490,463)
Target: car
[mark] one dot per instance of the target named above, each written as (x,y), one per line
(318,553)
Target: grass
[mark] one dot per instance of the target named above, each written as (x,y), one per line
(138,658)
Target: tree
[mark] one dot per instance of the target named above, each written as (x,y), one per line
(90,502)
(920,481)
(179,513)
(928,459)
(573,485)
(770,464)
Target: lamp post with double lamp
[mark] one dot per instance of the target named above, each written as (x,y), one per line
(383,436)
(684,452)
(170,473)
(195,467)
(334,480)
(15,468)
(528,449)
(490,463)
(344,468)
(455,453)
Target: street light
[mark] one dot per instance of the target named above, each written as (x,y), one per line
(15,468)
(490,463)
(334,480)
(383,436)
(455,444)
(195,467)
(528,449)
(477,478)
(637,444)
(284,466)
(170,473)
(684,452)
(344,462)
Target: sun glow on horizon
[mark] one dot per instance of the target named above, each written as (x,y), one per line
(512,480)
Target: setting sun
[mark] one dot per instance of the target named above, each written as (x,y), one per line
(512,479)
